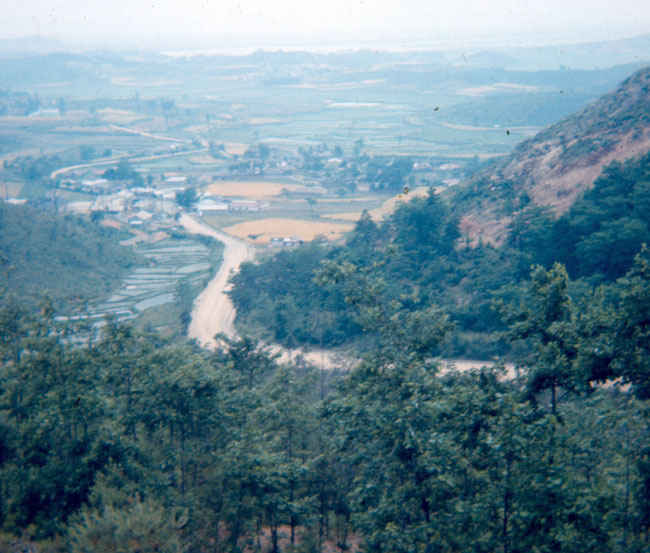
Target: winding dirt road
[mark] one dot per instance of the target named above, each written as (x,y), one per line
(115,160)
(213,312)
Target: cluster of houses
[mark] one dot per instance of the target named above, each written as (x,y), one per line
(143,202)
(287,242)
(147,208)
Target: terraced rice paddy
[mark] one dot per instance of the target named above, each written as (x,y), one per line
(169,262)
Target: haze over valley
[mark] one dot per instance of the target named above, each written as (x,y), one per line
(324,288)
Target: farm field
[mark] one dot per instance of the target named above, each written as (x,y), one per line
(261,231)
(386,208)
(254,189)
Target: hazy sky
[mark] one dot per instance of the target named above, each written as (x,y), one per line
(206,21)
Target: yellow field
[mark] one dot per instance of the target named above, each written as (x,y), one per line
(236,148)
(385,209)
(349,216)
(262,230)
(252,189)
(348,200)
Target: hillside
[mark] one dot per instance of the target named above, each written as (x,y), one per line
(522,212)
(66,258)
(558,164)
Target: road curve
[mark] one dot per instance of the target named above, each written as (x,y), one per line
(213,312)
(115,160)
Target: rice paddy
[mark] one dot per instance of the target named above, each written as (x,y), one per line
(155,285)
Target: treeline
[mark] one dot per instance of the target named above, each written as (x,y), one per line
(131,443)
(65,257)
(422,261)
(414,253)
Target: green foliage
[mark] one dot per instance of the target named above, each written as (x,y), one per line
(65,257)
(186,198)
(410,255)
(601,233)
(416,255)
(545,320)
(124,172)
(143,527)
(616,331)
(605,229)
(289,303)
(34,169)
(131,443)
(384,174)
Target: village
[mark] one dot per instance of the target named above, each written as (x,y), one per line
(255,192)
(149,212)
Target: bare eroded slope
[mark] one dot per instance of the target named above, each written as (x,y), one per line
(558,164)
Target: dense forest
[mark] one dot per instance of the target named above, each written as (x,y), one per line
(416,258)
(67,258)
(130,443)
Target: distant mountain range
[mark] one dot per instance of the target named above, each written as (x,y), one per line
(31,45)
(581,55)
(578,55)
(557,165)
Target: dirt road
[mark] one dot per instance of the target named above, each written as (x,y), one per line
(115,160)
(149,135)
(213,312)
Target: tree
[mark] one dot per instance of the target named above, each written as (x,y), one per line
(630,334)
(544,317)
(144,526)
(124,171)
(186,198)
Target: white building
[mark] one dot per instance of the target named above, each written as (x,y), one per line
(210,204)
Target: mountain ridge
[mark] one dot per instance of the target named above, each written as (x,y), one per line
(553,168)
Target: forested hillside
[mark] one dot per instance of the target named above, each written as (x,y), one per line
(131,443)
(600,234)
(64,257)
(419,258)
